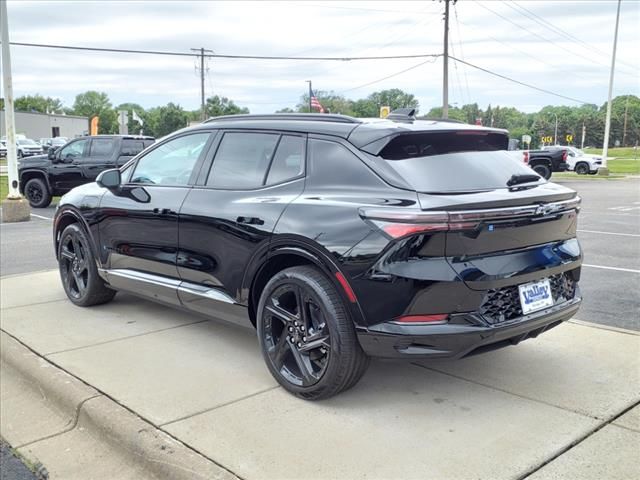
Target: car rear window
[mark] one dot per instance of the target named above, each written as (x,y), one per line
(460,171)
(132,147)
(424,144)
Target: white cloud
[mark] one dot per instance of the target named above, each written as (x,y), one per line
(514,45)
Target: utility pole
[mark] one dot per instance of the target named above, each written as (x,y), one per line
(555,134)
(445,57)
(584,133)
(202,74)
(607,126)
(14,208)
(310,95)
(624,128)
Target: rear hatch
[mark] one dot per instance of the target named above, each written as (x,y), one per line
(504,223)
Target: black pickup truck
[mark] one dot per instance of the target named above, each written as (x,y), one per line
(543,162)
(78,162)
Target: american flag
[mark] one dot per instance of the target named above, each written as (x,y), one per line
(315,103)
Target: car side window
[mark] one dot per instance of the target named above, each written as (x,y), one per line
(74,150)
(172,162)
(102,147)
(331,163)
(242,160)
(132,147)
(288,161)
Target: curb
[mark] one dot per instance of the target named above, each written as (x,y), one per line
(137,441)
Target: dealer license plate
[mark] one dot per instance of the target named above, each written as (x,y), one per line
(535,296)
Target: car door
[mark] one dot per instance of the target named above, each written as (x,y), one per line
(230,214)
(138,223)
(100,157)
(66,170)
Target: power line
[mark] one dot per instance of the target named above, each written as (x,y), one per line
(551,27)
(393,74)
(549,92)
(591,60)
(218,55)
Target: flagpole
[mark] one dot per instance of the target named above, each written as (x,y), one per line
(310,95)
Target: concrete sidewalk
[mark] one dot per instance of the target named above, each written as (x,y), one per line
(564,405)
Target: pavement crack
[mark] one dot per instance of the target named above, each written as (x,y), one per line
(71,427)
(251,395)
(119,339)
(579,440)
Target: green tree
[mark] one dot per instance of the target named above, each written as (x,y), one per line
(330,101)
(217,106)
(161,121)
(93,103)
(286,110)
(38,103)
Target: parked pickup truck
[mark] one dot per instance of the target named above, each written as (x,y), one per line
(78,162)
(543,162)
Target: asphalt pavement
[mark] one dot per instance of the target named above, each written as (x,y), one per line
(609,232)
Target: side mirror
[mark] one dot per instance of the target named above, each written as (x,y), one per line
(109,179)
(51,153)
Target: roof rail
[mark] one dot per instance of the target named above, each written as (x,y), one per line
(305,117)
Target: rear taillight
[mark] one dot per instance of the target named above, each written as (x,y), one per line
(525,157)
(564,155)
(431,318)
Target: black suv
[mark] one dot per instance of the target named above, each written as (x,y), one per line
(336,238)
(79,161)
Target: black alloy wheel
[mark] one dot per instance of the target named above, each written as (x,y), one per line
(307,338)
(78,271)
(543,170)
(37,193)
(582,168)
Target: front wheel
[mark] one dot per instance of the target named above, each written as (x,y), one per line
(582,168)
(78,270)
(37,193)
(306,336)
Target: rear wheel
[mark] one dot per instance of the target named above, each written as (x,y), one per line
(543,170)
(582,168)
(78,270)
(37,193)
(306,336)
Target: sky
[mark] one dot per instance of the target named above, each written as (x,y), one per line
(561,46)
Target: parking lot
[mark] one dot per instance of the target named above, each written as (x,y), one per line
(564,405)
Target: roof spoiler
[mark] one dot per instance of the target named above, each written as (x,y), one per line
(406,115)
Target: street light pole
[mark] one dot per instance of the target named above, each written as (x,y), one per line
(14,208)
(607,125)
(555,135)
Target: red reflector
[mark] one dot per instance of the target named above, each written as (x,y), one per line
(438,317)
(346,287)
(397,230)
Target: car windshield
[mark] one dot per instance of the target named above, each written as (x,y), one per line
(26,141)
(578,152)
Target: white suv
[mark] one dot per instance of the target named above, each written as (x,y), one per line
(578,161)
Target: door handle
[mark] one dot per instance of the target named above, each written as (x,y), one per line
(162,211)
(250,220)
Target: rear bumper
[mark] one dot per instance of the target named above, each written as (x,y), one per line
(464,335)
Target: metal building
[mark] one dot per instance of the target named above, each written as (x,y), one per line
(41,125)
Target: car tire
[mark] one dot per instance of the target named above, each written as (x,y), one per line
(78,270)
(543,170)
(315,355)
(582,168)
(37,193)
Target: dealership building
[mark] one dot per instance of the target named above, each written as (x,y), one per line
(41,125)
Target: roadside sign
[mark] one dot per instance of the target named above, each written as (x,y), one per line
(569,138)
(384,111)
(526,138)
(93,125)
(547,139)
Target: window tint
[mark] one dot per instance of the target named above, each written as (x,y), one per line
(74,150)
(101,147)
(333,165)
(132,147)
(242,160)
(288,161)
(172,162)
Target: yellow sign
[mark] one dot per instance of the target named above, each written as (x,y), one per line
(548,139)
(569,138)
(384,111)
